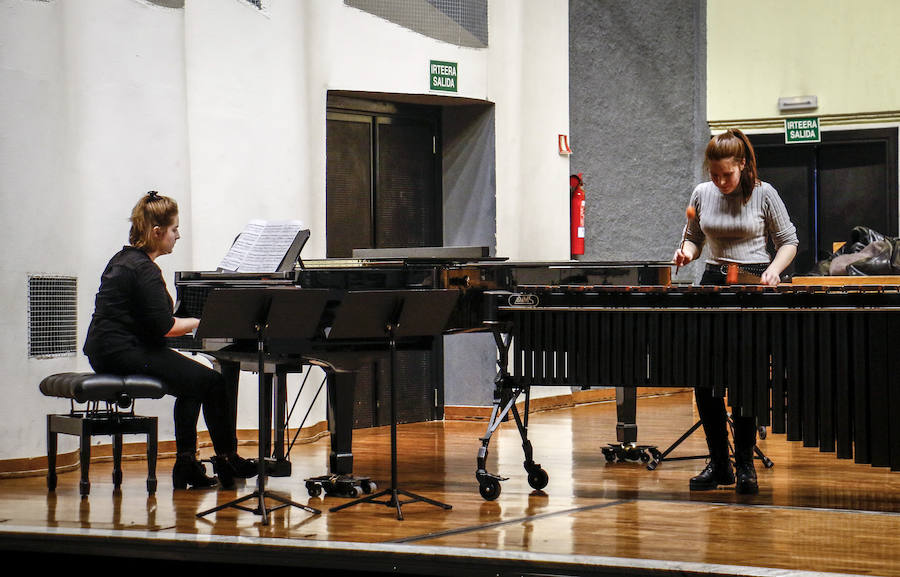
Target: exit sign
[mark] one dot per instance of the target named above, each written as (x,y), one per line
(800,130)
(442,76)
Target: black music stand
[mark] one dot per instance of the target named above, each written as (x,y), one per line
(393,315)
(262,314)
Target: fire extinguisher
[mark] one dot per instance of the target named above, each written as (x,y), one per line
(577,213)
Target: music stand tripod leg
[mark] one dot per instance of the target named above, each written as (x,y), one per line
(393,492)
(264,430)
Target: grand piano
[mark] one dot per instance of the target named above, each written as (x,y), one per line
(468,270)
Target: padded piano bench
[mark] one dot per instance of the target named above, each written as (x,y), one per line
(109,411)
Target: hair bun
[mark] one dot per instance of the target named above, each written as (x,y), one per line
(153,194)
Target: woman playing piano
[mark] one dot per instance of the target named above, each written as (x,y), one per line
(133,315)
(734,213)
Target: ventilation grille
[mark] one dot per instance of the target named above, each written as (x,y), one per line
(460,22)
(52,315)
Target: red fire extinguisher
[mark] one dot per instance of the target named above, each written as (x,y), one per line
(577,213)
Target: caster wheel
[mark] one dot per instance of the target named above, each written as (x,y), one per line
(538,479)
(489,489)
(652,465)
(645,457)
(369,487)
(353,492)
(609,454)
(314,489)
(768,463)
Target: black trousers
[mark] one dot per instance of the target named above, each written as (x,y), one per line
(193,385)
(712,410)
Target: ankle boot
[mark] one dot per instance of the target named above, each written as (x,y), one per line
(188,471)
(230,467)
(243,468)
(746,472)
(717,472)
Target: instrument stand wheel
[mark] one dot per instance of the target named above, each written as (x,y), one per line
(340,486)
(538,477)
(489,489)
(630,452)
(489,485)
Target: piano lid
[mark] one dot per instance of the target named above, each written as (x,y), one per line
(429,253)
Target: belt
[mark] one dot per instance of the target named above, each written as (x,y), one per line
(755,268)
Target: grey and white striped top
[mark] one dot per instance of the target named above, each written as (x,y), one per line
(734,231)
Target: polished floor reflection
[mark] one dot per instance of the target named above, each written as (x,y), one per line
(813,513)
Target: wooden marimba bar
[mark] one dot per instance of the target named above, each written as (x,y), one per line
(816,362)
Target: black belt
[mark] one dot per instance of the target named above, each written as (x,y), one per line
(755,269)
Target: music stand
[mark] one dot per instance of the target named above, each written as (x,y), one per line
(262,314)
(391,315)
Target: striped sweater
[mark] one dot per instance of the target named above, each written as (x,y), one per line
(737,232)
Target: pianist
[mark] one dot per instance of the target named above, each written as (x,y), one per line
(132,315)
(733,214)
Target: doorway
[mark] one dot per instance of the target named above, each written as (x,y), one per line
(383,190)
(848,179)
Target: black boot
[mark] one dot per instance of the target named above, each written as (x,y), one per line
(231,467)
(188,471)
(746,472)
(717,472)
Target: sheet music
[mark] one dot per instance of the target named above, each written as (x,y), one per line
(261,246)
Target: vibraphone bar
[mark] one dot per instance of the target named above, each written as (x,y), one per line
(815,362)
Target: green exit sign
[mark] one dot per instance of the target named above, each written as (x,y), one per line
(443,76)
(799,130)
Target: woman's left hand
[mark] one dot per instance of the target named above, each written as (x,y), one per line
(770,278)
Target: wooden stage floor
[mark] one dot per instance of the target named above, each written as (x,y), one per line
(814,513)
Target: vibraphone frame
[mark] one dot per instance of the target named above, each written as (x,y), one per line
(814,362)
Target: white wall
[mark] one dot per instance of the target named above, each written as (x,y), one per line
(93,113)
(846,52)
(223,107)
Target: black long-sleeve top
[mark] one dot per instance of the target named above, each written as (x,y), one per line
(132,307)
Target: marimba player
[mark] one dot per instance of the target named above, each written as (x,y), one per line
(733,214)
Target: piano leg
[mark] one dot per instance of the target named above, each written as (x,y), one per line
(627,448)
(231,370)
(340,421)
(340,482)
(626,413)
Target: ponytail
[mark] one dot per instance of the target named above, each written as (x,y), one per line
(153,209)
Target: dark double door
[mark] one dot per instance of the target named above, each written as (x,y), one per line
(849,179)
(383,191)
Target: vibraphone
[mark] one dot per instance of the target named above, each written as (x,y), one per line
(814,362)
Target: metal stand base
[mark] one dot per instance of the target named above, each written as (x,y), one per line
(393,501)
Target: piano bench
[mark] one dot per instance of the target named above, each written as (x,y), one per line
(109,410)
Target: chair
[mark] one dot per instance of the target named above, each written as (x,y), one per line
(109,410)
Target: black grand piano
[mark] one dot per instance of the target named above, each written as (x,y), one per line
(468,270)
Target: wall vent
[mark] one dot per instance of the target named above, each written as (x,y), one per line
(52,316)
(459,22)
